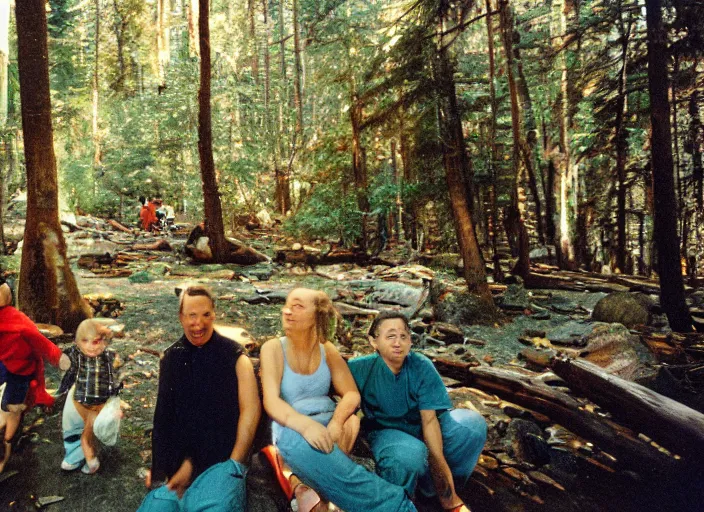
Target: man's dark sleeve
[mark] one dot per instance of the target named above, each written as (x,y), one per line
(167,445)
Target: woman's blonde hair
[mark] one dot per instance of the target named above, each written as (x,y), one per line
(325,317)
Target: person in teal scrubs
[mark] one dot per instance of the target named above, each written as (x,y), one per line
(418,441)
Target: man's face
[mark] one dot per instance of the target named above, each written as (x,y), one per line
(93,342)
(393,342)
(197,317)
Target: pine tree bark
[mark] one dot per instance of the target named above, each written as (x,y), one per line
(96,99)
(193,23)
(214,226)
(494,154)
(522,266)
(47,290)
(455,160)
(297,72)
(669,267)
(359,160)
(695,136)
(622,144)
(253,43)
(283,188)
(567,173)
(163,7)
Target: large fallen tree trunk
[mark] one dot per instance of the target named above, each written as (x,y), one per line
(669,423)
(533,394)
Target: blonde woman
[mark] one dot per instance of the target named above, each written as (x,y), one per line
(313,434)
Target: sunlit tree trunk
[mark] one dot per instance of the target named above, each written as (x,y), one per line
(522,266)
(671,283)
(410,219)
(283,188)
(494,155)
(47,290)
(96,98)
(253,44)
(163,8)
(622,144)
(211,195)
(297,72)
(567,178)
(193,24)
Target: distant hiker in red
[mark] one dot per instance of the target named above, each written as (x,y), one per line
(22,350)
(147,215)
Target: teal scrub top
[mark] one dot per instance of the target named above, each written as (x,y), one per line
(395,401)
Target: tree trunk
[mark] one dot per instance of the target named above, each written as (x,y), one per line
(297,86)
(4,58)
(567,206)
(211,196)
(283,188)
(5,159)
(253,44)
(96,100)
(119,27)
(494,156)
(522,266)
(695,137)
(410,220)
(455,161)
(622,144)
(670,270)
(47,290)
(359,160)
(193,23)
(163,7)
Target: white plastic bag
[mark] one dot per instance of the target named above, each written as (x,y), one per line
(107,424)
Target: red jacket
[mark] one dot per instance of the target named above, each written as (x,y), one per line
(22,350)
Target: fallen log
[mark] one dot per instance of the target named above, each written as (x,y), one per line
(670,423)
(119,226)
(530,392)
(307,257)
(158,245)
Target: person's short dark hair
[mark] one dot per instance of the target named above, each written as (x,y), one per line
(142,200)
(194,290)
(387,315)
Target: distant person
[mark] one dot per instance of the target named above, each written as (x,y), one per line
(92,365)
(207,412)
(22,350)
(314,434)
(417,439)
(147,214)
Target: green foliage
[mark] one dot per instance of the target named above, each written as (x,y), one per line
(328,213)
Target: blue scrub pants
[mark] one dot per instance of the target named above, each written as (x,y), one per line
(402,459)
(220,488)
(338,479)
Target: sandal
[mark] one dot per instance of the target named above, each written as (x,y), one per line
(272,454)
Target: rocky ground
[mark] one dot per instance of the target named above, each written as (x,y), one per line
(529,462)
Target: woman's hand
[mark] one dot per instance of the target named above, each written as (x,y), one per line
(335,430)
(318,437)
(180,481)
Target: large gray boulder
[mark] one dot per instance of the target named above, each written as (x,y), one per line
(629,309)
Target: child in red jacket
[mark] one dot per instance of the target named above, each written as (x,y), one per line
(22,350)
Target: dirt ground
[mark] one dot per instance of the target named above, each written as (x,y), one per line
(151,321)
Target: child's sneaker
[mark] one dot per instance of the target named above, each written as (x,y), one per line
(66,466)
(91,466)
